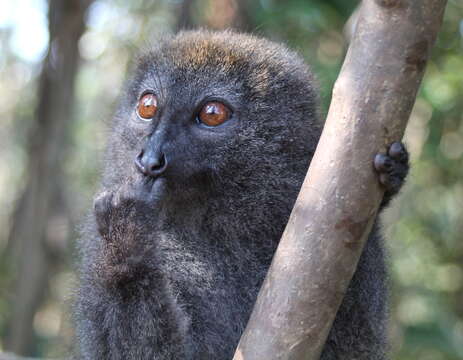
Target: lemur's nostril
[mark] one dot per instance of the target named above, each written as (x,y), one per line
(159,164)
(151,163)
(138,162)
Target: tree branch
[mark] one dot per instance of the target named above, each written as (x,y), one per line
(319,250)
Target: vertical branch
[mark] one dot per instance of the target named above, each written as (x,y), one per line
(319,250)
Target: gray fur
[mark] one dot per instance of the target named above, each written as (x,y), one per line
(177,267)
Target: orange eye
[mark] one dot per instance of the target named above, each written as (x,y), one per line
(214,113)
(147,106)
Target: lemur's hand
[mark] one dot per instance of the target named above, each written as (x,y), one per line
(121,219)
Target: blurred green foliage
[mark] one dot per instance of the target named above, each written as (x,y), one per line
(424,226)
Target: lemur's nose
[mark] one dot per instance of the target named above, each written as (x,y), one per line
(151,163)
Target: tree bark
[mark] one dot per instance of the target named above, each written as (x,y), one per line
(30,236)
(318,253)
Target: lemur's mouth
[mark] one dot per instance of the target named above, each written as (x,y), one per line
(157,188)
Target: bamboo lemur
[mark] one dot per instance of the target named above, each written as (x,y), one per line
(209,147)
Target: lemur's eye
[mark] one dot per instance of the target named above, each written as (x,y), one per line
(147,106)
(214,113)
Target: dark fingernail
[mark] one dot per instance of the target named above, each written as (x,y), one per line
(382,162)
(385,180)
(396,149)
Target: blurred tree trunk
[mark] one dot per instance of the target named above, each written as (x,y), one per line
(217,14)
(10,356)
(184,15)
(36,229)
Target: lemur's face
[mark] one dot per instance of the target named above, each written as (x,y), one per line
(207,113)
